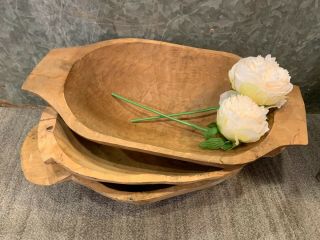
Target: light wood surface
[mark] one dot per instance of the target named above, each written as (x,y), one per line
(108,164)
(34,169)
(38,172)
(144,197)
(274,152)
(78,83)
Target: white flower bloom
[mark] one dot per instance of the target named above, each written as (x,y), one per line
(226,95)
(240,119)
(261,79)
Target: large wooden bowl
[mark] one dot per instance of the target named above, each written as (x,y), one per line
(98,162)
(38,172)
(78,83)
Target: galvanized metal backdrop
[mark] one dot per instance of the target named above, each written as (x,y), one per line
(290,30)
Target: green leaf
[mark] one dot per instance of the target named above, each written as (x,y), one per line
(228,145)
(212,125)
(211,132)
(212,143)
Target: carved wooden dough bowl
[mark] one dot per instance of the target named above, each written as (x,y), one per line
(78,83)
(103,163)
(38,172)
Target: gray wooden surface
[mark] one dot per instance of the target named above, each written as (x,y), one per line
(275,198)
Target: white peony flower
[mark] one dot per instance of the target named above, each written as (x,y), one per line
(261,79)
(226,95)
(240,119)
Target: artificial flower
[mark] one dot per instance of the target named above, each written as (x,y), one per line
(261,79)
(240,119)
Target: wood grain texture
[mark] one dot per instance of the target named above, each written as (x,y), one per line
(108,164)
(34,169)
(78,83)
(38,172)
(144,197)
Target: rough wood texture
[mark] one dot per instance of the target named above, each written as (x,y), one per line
(108,164)
(38,172)
(78,83)
(35,170)
(144,197)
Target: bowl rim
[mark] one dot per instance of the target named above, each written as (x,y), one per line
(50,150)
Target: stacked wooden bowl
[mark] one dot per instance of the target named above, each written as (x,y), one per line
(86,136)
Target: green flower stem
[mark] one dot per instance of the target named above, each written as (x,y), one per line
(136,120)
(159,113)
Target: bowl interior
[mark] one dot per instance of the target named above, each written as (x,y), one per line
(167,77)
